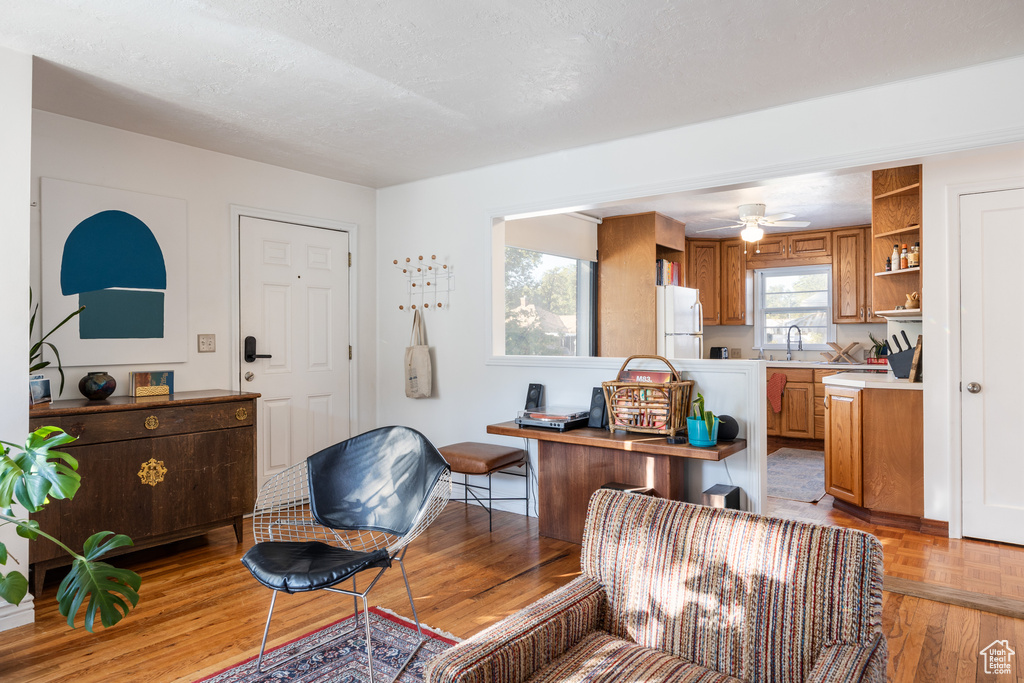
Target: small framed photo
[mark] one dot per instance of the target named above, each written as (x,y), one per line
(39,390)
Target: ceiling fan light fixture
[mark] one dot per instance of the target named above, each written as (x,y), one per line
(752,233)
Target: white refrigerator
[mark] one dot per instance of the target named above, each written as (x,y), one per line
(680,323)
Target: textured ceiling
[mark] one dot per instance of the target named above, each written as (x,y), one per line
(826,200)
(389,91)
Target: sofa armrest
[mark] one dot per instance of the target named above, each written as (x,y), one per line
(853,663)
(511,650)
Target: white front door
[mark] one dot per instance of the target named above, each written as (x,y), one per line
(992,325)
(294,300)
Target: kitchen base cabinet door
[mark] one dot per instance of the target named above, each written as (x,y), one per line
(797,416)
(843,454)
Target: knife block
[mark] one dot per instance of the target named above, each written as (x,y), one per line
(900,363)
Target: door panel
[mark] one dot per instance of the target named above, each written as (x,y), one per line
(991,239)
(798,410)
(848,277)
(702,273)
(294,299)
(843,461)
(734,282)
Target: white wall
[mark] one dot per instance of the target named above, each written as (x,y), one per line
(210,182)
(15,174)
(452,216)
(944,179)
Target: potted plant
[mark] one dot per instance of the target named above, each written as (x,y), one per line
(36,351)
(33,474)
(702,428)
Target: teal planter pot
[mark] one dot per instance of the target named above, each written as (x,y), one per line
(697,432)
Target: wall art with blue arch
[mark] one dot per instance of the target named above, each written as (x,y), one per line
(114,263)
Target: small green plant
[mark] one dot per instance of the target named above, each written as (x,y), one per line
(36,352)
(706,415)
(33,474)
(877,347)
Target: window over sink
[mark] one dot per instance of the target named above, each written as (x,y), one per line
(800,296)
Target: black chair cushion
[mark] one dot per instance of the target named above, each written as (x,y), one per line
(294,566)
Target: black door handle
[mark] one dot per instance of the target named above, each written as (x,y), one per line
(250,351)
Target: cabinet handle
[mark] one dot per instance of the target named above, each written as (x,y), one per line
(152,472)
(152,422)
(826,401)
(861,311)
(241,414)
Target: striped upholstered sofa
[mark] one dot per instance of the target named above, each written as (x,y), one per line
(679,592)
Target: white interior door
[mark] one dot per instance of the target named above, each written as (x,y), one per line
(992,325)
(294,299)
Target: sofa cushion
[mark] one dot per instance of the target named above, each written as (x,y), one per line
(601,657)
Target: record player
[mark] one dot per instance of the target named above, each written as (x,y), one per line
(558,418)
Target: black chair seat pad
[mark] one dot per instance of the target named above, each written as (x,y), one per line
(294,566)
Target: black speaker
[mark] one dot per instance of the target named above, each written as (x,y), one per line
(728,428)
(535,396)
(598,411)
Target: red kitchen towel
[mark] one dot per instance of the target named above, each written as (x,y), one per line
(776,384)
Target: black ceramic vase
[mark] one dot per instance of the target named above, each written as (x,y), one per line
(96,386)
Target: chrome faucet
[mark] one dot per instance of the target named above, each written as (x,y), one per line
(799,340)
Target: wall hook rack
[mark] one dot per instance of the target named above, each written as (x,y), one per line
(428,282)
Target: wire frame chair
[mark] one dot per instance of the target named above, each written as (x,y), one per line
(285,513)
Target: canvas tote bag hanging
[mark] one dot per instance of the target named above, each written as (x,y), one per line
(417,361)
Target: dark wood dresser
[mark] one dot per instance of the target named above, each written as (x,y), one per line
(157,469)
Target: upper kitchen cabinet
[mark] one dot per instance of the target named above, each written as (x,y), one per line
(895,219)
(850,287)
(703,272)
(733,299)
(628,248)
(792,249)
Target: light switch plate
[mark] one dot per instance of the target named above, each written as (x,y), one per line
(207,343)
(734,353)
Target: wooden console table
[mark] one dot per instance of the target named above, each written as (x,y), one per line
(572,465)
(155,468)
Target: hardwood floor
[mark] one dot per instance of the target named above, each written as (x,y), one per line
(201,612)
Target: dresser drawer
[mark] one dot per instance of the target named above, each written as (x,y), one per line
(159,420)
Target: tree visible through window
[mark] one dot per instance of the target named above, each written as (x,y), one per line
(799,296)
(540,303)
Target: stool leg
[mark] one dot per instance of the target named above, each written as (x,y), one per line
(490,505)
(527,484)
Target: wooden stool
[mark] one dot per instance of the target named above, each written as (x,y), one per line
(470,458)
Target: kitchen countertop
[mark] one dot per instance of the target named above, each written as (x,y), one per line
(869,380)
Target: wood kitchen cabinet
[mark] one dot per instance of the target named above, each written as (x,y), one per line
(733,299)
(703,272)
(154,470)
(874,459)
(843,467)
(791,249)
(849,276)
(797,416)
(628,248)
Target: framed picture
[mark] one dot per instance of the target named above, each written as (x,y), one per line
(39,390)
(122,255)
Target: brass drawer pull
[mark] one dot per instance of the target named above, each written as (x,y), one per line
(152,472)
(152,422)
(241,414)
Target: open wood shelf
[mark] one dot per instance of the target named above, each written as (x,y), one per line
(901,271)
(900,191)
(902,314)
(910,228)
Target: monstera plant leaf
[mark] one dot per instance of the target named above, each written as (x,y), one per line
(106,588)
(37,472)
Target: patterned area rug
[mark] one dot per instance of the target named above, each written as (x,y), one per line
(796,474)
(344,660)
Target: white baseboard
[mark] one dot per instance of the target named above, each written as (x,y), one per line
(13,616)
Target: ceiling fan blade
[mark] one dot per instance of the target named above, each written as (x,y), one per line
(777,217)
(789,224)
(730,220)
(724,227)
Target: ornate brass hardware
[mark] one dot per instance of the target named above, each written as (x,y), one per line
(241,414)
(152,472)
(152,422)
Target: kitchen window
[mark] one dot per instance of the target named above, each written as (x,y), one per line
(800,296)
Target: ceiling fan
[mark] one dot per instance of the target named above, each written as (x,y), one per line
(752,218)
